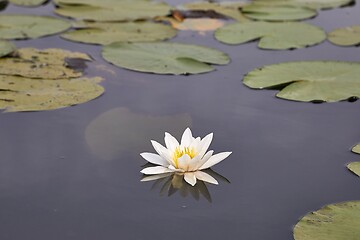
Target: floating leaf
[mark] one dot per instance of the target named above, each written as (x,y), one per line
(194,24)
(28,3)
(105,134)
(164,58)
(354,167)
(314,4)
(229,9)
(106,33)
(47,63)
(121,11)
(349,36)
(272,35)
(25,94)
(6,48)
(30,26)
(277,13)
(328,81)
(338,221)
(92,2)
(356,149)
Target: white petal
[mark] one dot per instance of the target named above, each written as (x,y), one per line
(154,159)
(184,162)
(203,160)
(195,143)
(155,170)
(171,142)
(205,143)
(155,177)
(162,151)
(205,177)
(215,159)
(190,178)
(186,138)
(194,162)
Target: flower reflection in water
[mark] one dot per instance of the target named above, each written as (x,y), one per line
(170,183)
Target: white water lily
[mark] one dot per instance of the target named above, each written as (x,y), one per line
(188,157)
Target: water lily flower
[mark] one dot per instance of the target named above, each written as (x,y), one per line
(187,158)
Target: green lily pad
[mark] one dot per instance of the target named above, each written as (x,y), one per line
(92,2)
(338,221)
(349,36)
(30,26)
(164,58)
(28,3)
(354,167)
(6,48)
(47,63)
(228,9)
(121,11)
(328,81)
(106,33)
(25,94)
(356,149)
(314,4)
(272,35)
(277,13)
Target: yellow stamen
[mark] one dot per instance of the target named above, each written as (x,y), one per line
(178,153)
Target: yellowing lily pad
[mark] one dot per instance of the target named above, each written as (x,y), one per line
(164,58)
(121,11)
(47,63)
(30,26)
(106,33)
(105,135)
(314,4)
(272,35)
(356,149)
(277,13)
(228,9)
(195,24)
(328,81)
(28,3)
(338,221)
(6,48)
(25,94)
(349,36)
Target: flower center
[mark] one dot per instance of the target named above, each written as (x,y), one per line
(179,152)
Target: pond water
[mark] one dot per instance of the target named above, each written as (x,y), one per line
(74,173)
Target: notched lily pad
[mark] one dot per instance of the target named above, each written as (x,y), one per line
(349,36)
(28,3)
(26,94)
(338,221)
(30,26)
(277,13)
(106,33)
(164,58)
(272,35)
(47,63)
(120,11)
(328,81)
(6,48)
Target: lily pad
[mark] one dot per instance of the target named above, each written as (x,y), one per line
(164,58)
(6,48)
(121,11)
(272,35)
(277,13)
(92,2)
(314,4)
(356,149)
(354,167)
(30,26)
(228,9)
(338,221)
(47,63)
(328,81)
(25,94)
(349,36)
(106,33)
(194,24)
(28,3)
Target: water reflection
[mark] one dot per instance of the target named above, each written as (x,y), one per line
(170,183)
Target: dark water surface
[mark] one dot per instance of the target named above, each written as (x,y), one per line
(74,173)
